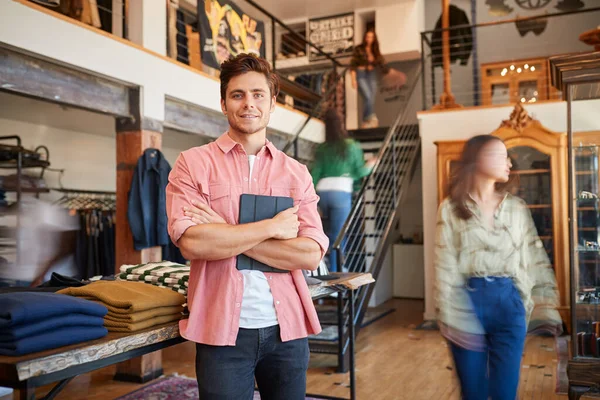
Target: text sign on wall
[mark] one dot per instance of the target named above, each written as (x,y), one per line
(333,35)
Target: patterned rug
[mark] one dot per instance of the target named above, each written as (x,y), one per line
(172,388)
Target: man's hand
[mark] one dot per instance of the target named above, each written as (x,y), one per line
(285,224)
(202,214)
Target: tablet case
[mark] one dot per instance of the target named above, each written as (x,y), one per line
(254,208)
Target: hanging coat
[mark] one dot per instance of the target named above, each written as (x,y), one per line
(461,39)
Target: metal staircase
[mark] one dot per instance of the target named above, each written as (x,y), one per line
(366,235)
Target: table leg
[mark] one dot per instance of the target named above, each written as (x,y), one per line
(575,392)
(352,365)
(57,389)
(24,394)
(140,370)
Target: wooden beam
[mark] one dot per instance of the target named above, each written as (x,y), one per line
(186,117)
(447,99)
(40,79)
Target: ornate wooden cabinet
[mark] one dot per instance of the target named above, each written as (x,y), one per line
(539,158)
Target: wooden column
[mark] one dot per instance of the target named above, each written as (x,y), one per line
(447,99)
(130,146)
(134,135)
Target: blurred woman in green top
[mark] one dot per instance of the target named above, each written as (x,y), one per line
(339,163)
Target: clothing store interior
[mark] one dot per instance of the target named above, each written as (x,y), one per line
(246,199)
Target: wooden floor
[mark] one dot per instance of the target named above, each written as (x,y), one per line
(394,361)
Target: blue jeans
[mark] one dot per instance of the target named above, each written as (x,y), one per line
(336,207)
(228,372)
(493,373)
(367,87)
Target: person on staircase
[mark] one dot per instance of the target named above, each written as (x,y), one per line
(367,62)
(491,267)
(339,164)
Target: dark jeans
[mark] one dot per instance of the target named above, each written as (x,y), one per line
(494,373)
(336,206)
(228,372)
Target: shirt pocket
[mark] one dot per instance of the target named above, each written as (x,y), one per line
(294,193)
(220,201)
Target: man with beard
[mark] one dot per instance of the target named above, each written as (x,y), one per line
(247,325)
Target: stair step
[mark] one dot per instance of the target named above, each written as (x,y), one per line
(369,135)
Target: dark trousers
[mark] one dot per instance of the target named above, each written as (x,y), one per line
(229,372)
(494,373)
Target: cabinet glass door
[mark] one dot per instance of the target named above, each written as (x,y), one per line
(531,169)
(585,234)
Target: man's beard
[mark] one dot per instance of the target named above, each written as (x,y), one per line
(247,130)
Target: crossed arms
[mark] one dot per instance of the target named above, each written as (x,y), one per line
(274,242)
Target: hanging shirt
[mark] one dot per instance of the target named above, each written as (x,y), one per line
(258,309)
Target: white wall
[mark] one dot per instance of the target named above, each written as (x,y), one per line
(80,142)
(461,125)
(384,287)
(41,34)
(398,27)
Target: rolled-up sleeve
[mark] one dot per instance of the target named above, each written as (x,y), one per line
(181,191)
(308,216)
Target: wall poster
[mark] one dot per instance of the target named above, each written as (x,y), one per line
(225,31)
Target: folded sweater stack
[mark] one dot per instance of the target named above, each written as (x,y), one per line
(164,274)
(32,322)
(132,306)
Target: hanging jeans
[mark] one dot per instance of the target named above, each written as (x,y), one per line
(336,207)
(367,87)
(494,373)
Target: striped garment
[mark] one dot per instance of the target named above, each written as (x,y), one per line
(163,274)
(160,269)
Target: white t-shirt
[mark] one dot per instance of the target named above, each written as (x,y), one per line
(258,308)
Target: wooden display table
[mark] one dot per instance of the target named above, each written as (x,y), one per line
(63,364)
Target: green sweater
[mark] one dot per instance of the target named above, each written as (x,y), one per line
(329,164)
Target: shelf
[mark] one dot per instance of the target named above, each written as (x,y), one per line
(27,190)
(534,206)
(585,172)
(587,209)
(587,229)
(546,238)
(24,164)
(530,171)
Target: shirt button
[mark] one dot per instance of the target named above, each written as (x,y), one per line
(245,179)
(277,302)
(270,278)
(237,304)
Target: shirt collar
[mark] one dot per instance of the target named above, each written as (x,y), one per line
(226,144)
(472,204)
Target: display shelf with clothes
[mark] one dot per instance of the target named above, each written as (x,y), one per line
(95,242)
(164,274)
(146,207)
(132,306)
(96,13)
(32,322)
(21,215)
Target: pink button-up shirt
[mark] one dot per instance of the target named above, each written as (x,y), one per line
(217,174)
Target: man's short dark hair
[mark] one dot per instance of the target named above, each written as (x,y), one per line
(244,63)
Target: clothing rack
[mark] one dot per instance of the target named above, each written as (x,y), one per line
(82,200)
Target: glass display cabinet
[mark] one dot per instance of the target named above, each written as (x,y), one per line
(578,76)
